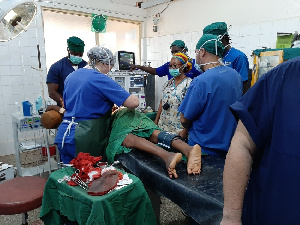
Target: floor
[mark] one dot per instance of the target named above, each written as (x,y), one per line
(170,213)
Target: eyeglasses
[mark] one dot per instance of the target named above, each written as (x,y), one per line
(175,66)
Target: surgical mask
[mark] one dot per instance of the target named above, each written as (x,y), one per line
(75,59)
(174,72)
(197,67)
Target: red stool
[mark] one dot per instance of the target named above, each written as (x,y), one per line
(20,195)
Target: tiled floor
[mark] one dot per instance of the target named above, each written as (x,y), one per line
(170,213)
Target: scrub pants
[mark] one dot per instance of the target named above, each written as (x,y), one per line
(67,153)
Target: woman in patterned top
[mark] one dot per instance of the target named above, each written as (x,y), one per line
(173,93)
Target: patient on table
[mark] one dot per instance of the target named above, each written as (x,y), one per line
(134,130)
(131,129)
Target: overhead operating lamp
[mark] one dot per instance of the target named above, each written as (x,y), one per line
(15,17)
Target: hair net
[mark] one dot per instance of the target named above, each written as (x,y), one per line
(185,60)
(102,55)
(75,44)
(179,43)
(217,28)
(211,43)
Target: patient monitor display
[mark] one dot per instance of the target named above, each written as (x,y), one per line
(125,60)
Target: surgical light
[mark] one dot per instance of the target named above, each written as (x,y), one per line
(15,17)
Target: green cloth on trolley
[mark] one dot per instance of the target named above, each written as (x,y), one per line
(124,122)
(129,205)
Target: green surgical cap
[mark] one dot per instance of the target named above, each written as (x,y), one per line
(218,28)
(208,42)
(75,44)
(179,43)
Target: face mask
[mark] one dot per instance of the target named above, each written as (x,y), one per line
(75,59)
(197,67)
(174,72)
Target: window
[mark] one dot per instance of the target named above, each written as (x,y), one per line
(60,25)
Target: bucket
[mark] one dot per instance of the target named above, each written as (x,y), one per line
(52,150)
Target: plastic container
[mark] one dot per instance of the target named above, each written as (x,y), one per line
(38,103)
(27,108)
(52,150)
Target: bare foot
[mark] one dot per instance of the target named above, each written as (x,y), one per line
(173,160)
(194,160)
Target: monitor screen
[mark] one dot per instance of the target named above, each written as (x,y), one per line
(125,59)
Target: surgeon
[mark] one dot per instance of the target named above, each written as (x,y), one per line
(178,46)
(232,57)
(62,68)
(205,109)
(89,96)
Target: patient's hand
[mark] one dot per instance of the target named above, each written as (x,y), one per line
(183,133)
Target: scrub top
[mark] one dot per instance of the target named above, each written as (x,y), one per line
(207,103)
(60,70)
(173,95)
(88,95)
(270,111)
(164,70)
(237,60)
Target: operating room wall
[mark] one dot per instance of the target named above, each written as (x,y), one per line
(254,25)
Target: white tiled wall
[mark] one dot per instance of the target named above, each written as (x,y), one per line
(18,80)
(246,38)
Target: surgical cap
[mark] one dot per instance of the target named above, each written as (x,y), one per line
(75,44)
(179,43)
(102,55)
(209,42)
(184,59)
(217,28)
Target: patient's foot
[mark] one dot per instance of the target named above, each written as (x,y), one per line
(173,160)
(194,160)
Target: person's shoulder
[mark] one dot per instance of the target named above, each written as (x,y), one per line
(63,60)
(237,52)
(82,64)
(287,63)
(228,70)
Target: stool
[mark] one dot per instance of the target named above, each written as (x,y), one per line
(20,195)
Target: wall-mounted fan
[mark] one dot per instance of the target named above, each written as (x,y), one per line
(15,17)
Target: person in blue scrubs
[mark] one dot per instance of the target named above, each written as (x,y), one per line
(205,108)
(89,96)
(62,68)
(176,47)
(232,57)
(261,174)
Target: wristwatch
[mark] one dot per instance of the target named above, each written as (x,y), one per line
(62,111)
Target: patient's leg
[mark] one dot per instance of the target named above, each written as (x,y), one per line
(193,153)
(171,159)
